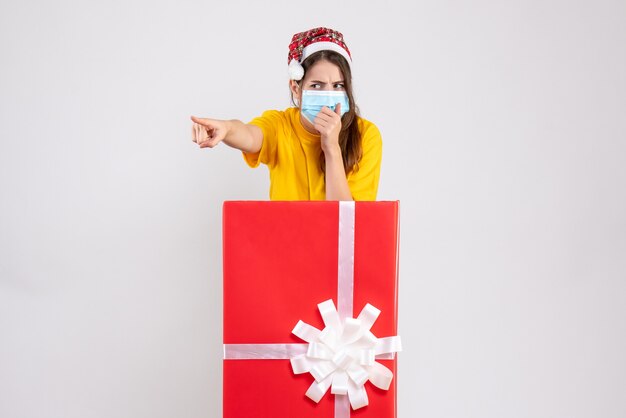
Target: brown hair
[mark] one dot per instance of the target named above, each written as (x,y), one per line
(349,137)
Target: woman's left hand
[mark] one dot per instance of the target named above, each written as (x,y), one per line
(328,124)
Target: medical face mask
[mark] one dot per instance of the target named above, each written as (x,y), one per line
(314,100)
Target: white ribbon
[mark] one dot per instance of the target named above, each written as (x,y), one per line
(343,355)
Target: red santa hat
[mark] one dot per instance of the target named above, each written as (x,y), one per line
(306,43)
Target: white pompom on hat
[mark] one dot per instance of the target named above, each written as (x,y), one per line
(306,43)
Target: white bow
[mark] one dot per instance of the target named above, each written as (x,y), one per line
(343,355)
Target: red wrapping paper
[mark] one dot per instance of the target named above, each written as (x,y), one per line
(279,262)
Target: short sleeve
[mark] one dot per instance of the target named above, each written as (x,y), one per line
(363,183)
(271,123)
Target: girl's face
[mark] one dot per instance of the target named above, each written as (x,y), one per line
(323,75)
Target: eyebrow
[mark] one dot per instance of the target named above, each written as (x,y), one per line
(321,82)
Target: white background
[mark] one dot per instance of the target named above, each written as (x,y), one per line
(504,130)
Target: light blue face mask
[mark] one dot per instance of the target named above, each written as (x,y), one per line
(314,100)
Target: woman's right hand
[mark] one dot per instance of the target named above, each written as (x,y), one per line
(208,132)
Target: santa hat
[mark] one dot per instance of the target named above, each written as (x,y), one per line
(306,43)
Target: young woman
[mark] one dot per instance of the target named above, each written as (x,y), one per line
(321,149)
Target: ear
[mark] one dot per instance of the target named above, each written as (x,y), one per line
(295,90)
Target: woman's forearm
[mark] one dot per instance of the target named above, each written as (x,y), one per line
(247,138)
(336,182)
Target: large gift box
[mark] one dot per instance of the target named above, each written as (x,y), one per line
(310,309)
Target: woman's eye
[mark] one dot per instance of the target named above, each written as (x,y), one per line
(315,85)
(338,86)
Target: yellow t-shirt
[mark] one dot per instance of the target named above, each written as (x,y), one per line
(292,153)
